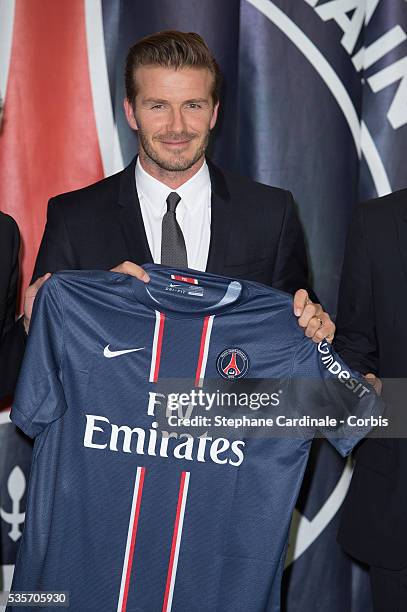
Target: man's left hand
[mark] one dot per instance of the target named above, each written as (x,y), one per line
(317,324)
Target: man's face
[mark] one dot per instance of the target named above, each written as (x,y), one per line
(173,114)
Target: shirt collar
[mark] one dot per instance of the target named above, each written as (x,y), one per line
(156,192)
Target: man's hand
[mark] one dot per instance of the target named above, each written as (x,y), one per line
(29,298)
(127,267)
(316,323)
(375,382)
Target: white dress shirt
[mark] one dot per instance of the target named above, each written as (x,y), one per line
(193,213)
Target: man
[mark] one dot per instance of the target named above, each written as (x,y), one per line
(171,205)
(12,336)
(12,339)
(372,337)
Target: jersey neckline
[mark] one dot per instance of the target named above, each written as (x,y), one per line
(235,291)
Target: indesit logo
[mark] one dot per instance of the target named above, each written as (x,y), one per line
(334,367)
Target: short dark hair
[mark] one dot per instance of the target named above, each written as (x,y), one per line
(171,49)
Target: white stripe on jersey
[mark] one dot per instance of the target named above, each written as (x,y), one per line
(177,536)
(201,373)
(131,538)
(155,343)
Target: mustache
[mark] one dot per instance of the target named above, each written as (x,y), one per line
(175,137)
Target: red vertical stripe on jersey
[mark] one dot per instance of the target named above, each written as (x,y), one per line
(135,519)
(49,141)
(201,350)
(179,517)
(159,345)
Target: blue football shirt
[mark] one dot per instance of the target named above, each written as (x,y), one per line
(126,516)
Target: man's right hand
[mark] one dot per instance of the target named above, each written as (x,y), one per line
(375,382)
(128,267)
(29,298)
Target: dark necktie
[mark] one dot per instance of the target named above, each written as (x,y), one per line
(173,249)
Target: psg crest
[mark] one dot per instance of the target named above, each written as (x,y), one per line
(232,363)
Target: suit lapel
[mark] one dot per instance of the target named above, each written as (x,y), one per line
(401,220)
(220,220)
(131,220)
(132,225)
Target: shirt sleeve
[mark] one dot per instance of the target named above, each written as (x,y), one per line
(344,406)
(39,399)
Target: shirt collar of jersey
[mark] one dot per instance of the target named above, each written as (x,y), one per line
(235,293)
(156,192)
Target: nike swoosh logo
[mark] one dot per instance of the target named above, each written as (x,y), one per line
(108,353)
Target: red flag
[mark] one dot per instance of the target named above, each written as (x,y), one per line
(49,141)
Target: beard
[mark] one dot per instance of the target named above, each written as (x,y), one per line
(175,162)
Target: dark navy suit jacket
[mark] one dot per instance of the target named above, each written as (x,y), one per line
(372,337)
(255,231)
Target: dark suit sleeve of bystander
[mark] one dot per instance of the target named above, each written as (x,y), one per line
(12,336)
(356,338)
(10,246)
(55,252)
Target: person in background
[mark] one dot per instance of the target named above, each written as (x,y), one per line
(372,338)
(12,337)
